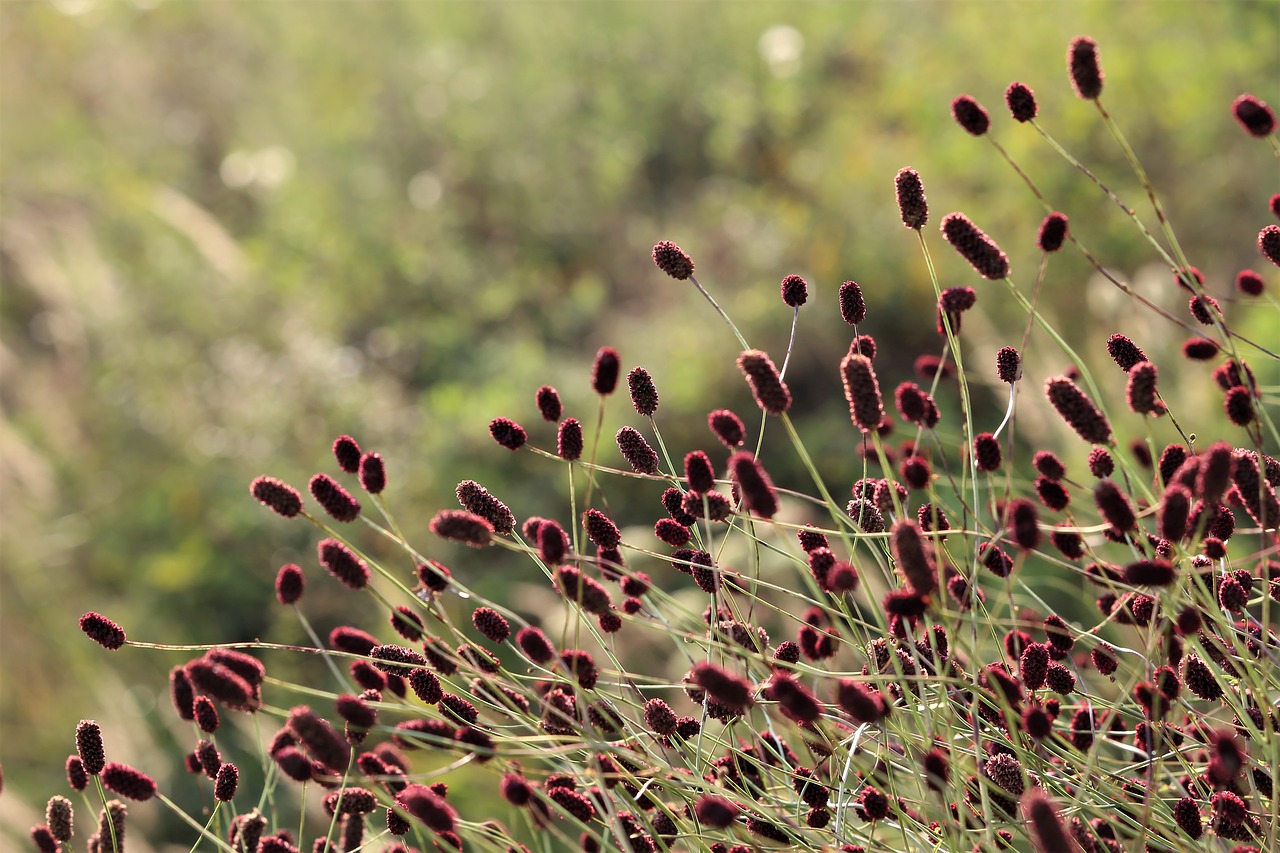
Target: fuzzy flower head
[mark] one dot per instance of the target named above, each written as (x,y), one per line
(795,291)
(975,247)
(766,383)
(1021,102)
(912,204)
(672,260)
(102,630)
(862,391)
(1254,115)
(970,115)
(1053,232)
(1086,73)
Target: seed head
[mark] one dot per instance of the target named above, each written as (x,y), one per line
(795,291)
(1021,102)
(862,390)
(915,405)
(604,371)
(1204,309)
(986,452)
(315,733)
(1186,813)
(907,545)
(89,747)
(1022,520)
(1086,74)
(671,260)
(753,484)
(1239,406)
(1141,391)
(334,499)
(1199,349)
(975,247)
(289,584)
(434,576)
(276,495)
(639,455)
(1048,834)
(1249,283)
(853,308)
(659,717)
(343,564)
(508,433)
(1049,465)
(1008,365)
(491,624)
(58,817)
(1033,665)
(221,682)
(715,812)
(569,441)
(729,690)
(1254,115)
(128,782)
(1006,772)
(1077,410)
(548,400)
(102,630)
(1199,678)
(912,204)
(205,713)
(766,384)
(461,526)
(727,427)
(427,806)
(1269,243)
(644,396)
(373,473)
(475,498)
(225,783)
(347,452)
(1053,232)
(970,115)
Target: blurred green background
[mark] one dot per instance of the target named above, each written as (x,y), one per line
(232,231)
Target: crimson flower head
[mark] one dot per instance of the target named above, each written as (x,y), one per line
(1254,115)
(672,260)
(347,452)
(862,391)
(604,371)
(912,204)
(102,630)
(975,247)
(548,400)
(462,526)
(508,433)
(766,383)
(1053,232)
(970,115)
(1086,73)
(795,291)
(276,495)
(1021,102)
(1269,243)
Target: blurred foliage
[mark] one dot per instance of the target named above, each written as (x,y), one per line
(231,232)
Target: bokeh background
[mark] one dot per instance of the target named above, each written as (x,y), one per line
(230,232)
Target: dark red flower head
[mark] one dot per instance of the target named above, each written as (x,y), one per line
(373,473)
(102,630)
(276,495)
(753,484)
(639,455)
(341,562)
(1254,115)
(853,308)
(1249,283)
(89,747)
(862,391)
(1077,410)
(970,115)
(569,440)
(604,371)
(975,247)
(347,452)
(795,291)
(461,526)
(128,782)
(727,427)
(1269,243)
(548,400)
(912,204)
(1053,232)
(672,260)
(644,396)
(1086,74)
(508,433)
(1021,102)
(766,383)
(333,498)
(1008,365)
(289,584)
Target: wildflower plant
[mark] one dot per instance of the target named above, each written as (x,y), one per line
(881,664)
